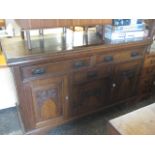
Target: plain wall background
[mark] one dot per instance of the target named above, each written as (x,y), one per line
(8,96)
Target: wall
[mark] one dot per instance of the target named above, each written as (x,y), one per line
(8,96)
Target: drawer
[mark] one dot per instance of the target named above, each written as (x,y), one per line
(91,74)
(129,55)
(45,69)
(125,67)
(121,56)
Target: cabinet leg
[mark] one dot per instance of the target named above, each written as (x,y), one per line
(22,35)
(28,38)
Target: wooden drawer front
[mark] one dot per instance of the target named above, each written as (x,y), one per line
(129,55)
(120,56)
(80,63)
(45,69)
(150,61)
(90,74)
(127,67)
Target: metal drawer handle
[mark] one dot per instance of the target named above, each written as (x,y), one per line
(79,64)
(108,58)
(134,54)
(38,71)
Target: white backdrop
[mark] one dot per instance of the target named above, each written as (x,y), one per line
(8,97)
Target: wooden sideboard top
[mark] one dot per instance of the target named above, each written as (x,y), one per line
(52,23)
(53,45)
(138,122)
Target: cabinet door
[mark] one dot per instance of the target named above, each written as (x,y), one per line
(48,99)
(124,83)
(89,94)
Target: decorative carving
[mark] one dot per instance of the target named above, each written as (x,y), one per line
(85,95)
(48,109)
(43,95)
(47,103)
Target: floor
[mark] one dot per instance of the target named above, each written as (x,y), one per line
(90,125)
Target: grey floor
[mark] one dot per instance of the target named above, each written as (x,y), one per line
(90,125)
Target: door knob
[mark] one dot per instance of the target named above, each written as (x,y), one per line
(66,97)
(114,85)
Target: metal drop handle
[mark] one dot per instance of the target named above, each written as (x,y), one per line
(108,58)
(79,64)
(38,71)
(134,54)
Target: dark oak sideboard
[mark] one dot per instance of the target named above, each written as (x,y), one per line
(60,82)
(58,89)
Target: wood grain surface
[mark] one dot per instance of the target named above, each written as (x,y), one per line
(139,122)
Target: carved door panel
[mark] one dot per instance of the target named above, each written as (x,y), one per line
(124,82)
(48,98)
(89,96)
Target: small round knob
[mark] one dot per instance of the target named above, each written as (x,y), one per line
(66,97)
(114,85)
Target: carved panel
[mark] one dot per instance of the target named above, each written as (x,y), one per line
(47,102)
(125,82)
(124,88)
(89,96)
(47,99)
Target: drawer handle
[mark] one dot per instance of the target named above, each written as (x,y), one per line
(79,64)
(38,71)
(134,54)
(92,74)
(108,58)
